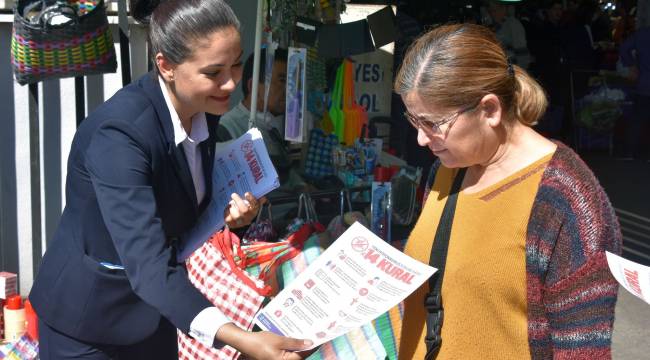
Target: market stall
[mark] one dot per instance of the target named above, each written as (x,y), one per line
(330,115)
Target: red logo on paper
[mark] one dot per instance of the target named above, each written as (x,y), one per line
(360,244)
(247,146)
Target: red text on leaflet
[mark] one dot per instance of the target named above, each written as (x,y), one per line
(251,159)
(632,278)
(388,267)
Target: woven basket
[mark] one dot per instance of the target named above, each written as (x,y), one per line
(82,46)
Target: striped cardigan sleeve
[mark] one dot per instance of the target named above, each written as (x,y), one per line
(571,293)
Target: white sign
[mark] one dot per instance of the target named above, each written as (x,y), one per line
(632,276)
(373,72)
(358,278)
(240,166)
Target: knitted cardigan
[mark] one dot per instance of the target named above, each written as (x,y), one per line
(571,293)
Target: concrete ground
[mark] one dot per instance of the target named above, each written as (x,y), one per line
(631,339)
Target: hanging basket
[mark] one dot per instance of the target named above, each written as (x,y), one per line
(56,39)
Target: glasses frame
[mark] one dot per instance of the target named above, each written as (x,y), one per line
(431,127)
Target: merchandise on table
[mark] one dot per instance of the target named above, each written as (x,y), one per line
(404,189)
(380,210)
(8,284)
(23,349)
(2,322)
(31,321)
(14,318)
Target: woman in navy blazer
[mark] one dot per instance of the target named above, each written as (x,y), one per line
(139,175)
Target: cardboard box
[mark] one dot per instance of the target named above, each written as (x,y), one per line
(8,284)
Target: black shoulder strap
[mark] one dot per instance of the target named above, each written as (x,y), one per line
(438,258)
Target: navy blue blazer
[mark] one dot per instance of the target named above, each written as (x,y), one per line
(129,197)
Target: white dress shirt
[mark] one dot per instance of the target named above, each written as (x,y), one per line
(205,325)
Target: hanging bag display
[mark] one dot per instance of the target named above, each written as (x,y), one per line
(261,229)
(351,122)
(356,117)
(64,38)
(335,112)
(318,162)
(347,216)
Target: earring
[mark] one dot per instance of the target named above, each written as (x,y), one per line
(171,78)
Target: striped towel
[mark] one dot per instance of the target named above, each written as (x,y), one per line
(388,328)
(389,325)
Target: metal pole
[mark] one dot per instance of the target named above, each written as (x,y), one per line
(35,174)
(125,57)
(80,98)
(256,63)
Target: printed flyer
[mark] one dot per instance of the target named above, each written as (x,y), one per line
(240,166)
(358,278)
(634,277)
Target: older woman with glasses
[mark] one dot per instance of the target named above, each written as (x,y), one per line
(525,273)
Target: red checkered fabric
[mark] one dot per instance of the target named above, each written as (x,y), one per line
(210,272)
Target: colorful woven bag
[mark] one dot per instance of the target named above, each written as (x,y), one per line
(56,39)
(212,270)
(236,279)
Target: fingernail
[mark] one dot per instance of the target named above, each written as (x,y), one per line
(308,342)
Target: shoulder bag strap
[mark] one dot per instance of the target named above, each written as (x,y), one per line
(438,258)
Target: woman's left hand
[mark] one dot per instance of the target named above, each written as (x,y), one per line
(241,212)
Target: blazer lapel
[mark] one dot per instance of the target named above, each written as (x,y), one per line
(183,171)
(176,154)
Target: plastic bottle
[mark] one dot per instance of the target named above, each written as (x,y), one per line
(14,315)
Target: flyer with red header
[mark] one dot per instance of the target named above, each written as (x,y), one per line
(634,277)
(358,278)
(240,166)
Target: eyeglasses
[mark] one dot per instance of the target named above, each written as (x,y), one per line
(434,127)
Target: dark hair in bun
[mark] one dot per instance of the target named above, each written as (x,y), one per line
(141,9)
(175,25)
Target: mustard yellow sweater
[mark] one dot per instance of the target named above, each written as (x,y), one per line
(484,287)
